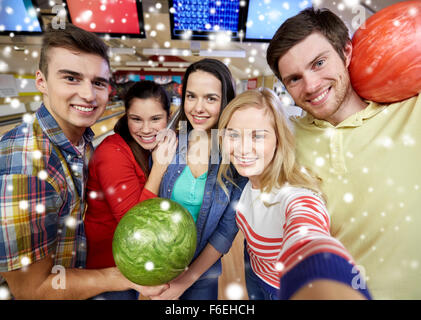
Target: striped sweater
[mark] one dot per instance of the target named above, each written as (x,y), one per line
(288,238)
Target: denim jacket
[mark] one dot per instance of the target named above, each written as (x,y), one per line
(216,222)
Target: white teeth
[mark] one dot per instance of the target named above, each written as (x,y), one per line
(319,98)
(80,108)
(200,118)
(148,138)
(246,160)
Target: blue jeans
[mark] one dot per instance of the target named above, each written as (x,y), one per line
(205,289)
(256,288)
(117,295)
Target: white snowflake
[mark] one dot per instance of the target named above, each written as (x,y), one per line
(279,266)
(303,230)
(176,217)
(414,264)
(40,208)
(348,197)
(408,140)
(234,291)
(42,175)
(4,293)
(3,66)
(25,261)
(23,204)
(149,265)
(71,222)
(320,161)
(93,195)
(165,205)
(36,154)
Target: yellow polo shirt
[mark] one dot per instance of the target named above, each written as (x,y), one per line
(370,165)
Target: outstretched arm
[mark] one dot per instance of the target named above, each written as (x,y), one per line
(327,290)
(36,282)
(313,264)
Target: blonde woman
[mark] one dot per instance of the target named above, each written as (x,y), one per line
(289,252)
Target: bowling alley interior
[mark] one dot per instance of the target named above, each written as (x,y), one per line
(157,40)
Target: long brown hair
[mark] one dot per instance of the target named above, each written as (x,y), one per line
(217,69)
(284,167)
(141,90)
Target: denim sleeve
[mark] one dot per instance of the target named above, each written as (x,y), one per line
(227,228)
(226,231)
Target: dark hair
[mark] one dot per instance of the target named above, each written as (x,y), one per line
(220,71)
(299,27)
(140,90)
(72,38)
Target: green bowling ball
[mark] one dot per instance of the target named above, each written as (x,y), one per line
(154,242)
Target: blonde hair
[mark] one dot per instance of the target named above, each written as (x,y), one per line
(284,167)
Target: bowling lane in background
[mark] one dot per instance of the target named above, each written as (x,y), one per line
(232,284)
(105,125)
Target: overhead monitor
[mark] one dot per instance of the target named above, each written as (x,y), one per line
(115,18)
(19,17)
(264,17)
(203,19)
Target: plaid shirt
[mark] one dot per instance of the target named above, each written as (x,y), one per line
(42,182)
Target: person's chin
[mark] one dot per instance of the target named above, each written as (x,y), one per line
(201,127)
(248,172)
(321,112)
(148,146)
(82,123)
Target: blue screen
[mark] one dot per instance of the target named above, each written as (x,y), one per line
(265,16)
(18,16)
(207,16)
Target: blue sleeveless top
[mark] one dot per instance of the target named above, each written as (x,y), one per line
(188,191)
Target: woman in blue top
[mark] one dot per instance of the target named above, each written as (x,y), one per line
(191,179)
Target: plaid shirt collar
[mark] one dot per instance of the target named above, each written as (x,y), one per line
(51,128)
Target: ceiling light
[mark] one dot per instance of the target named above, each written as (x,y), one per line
(223,53)
(158,51)
(203,53)
(123,51)
(137,63)
(176,64)
(156,69)
(121,68)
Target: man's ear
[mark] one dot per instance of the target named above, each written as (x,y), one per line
(348,53)
(41,82)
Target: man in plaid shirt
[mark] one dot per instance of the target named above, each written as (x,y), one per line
(43,170)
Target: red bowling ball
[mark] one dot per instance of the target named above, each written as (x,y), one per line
(386,60)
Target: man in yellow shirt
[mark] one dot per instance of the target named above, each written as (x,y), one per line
(366,154)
